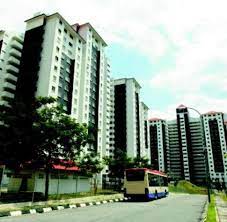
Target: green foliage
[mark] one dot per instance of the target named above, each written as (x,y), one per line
(16,135)
(211,213)
(118,164)
(140,162)
(39,133)
(91,165)
(57,135)
(187,187)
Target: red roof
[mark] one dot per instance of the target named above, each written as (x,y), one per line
(156,172)
(181,106)
(212,113)
(154,119)
(60,167)
(66,165)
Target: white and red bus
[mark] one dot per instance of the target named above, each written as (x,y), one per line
(145,183)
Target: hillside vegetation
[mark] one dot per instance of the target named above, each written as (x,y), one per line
(187,187)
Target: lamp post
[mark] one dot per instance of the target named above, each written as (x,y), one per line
(205,155)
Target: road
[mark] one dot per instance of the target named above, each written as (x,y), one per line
(175,208)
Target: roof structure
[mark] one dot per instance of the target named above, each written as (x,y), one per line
(155,119)
(155,172)
(181,106)
(212,113)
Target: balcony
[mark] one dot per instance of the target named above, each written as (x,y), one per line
(7,95)
(14,52)
(16,45)
(18,39)
(10,77)
(13,61)
(11,69)
(9,85)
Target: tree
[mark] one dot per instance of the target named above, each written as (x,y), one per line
(91,165)
(117,166)
(40,134)
(140,162)
(56,136)
(16,119)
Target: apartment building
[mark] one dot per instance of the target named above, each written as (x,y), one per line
(68,62)
(129,118)
(10,54)
(159,144)
(216,144)
(144,131)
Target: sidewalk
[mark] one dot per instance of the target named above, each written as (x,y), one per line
(221,206)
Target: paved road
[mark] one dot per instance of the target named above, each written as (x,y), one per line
(175,208)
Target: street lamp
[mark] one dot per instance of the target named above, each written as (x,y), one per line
(205,156)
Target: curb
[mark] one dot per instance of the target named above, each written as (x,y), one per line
(204,214)
(60,207)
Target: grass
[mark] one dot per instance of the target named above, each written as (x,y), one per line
(79,195)
(223,196)
(187,187)
(211,213)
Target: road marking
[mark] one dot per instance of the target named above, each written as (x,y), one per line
(15,213)
(47,209)
(60,208)
(32,211)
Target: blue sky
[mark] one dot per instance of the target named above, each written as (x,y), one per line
(176,49)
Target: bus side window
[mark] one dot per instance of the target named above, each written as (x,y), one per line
(153,180)
(161,181)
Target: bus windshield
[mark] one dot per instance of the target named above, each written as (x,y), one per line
(135,175)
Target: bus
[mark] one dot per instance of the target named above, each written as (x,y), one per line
(145,183)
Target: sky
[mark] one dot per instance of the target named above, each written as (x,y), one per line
(176,49)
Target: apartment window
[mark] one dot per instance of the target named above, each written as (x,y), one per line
(53,89)
(71,36)
(65,31)
(55,68)
(59,31)
(54,78)
(56,58)
(60,22)
(79,41)
(57,49)
(70,44)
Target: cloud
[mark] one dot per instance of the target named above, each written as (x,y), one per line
(192,34)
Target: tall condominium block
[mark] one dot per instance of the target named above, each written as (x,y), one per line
(10,54)
(127,123)
(185,141)
(186,147)
(159,150)
(94,82)
(175,169)
(51,62)
(67,62)
(144,131)
(216,143)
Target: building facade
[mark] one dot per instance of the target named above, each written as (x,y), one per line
(159,144)
(68,62)
(215,136)
(10,54)
(129,119)
(186,147)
